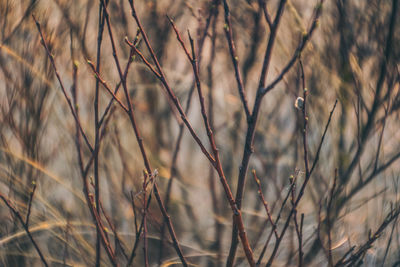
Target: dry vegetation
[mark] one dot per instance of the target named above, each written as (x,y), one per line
(159,133)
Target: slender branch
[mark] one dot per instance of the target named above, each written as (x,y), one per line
(101,22)
(140,140)
(251,129)
(263,4)
(306,37)
(305,119)
(94,151)
(163,80)
(106,86)
(43,42)
(299,196)
(235,59)
(322,138)
(31,195)
(145,242)
(173,172)
(261,195)
(26,228)
(114,230)
(218,166)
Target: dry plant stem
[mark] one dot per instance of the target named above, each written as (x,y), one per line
(261,195)
(176,102)
(97,220)
(86,192)
(114,230)
(101,22)
(99,225)
(26,228)
(31,195)
(251,122)
(61,85)
(128,64)
(173,173)
(163,80)
(305,120)
(217,164)
(145,255)
(138,230)
(389,241)
(328,219)
(140,140)
(276,223)
(195,67)
(107,87)
(263,4)
(297,228)
(300,195)
(235,60)
(357,256)
(217,244)
(301,253)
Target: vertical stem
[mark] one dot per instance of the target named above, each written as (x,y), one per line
(97,129)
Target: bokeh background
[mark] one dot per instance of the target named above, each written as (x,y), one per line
(343,61)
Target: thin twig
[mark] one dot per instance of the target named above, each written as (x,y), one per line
(43,42)
(235,59)
(140,140)
(26,228)
(31,195)
(236,212)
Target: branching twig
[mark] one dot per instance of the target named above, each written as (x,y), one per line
(235,59)
(43,42)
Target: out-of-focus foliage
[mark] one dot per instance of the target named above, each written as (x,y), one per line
(348,58)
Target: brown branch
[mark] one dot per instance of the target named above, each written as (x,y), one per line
(101,22)
(263,4)
(145,241)
(261,195)
(170,93)
(248,147)
(106,86)
(299,196)
(173,172)
(305,38)
(140,140)
(94,151)
(43,42)
(235,59)
(31,195)
(236,212)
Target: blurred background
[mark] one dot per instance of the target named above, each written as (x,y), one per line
(351,57)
